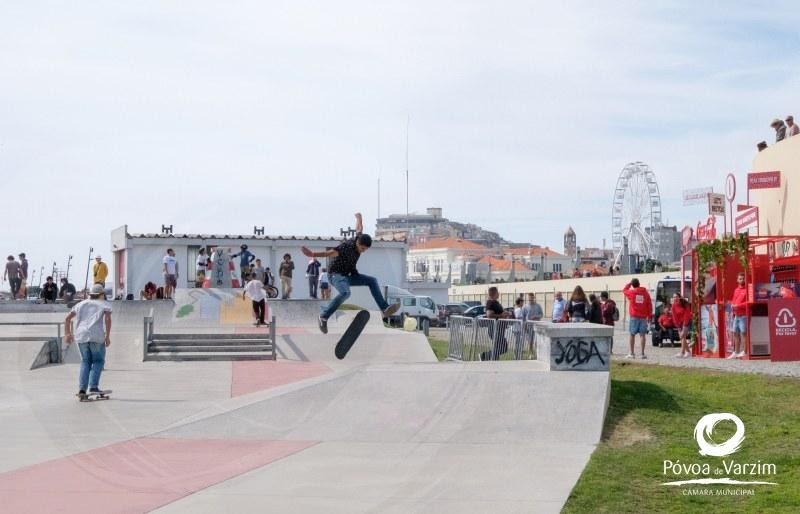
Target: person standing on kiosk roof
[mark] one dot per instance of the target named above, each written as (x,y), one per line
(344,275)
(739,308)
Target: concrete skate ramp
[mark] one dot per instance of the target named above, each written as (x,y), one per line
(371,348)
(439,437)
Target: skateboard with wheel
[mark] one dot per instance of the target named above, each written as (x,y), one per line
(351,334)
(91,397)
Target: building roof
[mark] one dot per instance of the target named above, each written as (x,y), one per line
(397,239)
(498,264)
(448,243)
(569,231)
(533,251)
(590,267)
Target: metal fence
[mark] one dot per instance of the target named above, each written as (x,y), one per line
(545,299)
(487,339)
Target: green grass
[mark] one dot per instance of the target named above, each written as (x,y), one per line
(652,414)
(439,347)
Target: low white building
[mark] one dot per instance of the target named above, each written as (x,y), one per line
(138,258)
(542,261)
(440,259)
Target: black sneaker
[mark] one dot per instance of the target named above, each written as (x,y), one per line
(95,390)
(323,325)
(81,395)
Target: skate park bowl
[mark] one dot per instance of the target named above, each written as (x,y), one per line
(387,429)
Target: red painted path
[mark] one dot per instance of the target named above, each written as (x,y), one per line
(135,476)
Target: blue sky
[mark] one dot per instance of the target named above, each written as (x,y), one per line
(283,114)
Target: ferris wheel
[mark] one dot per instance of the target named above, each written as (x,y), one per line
(636,212)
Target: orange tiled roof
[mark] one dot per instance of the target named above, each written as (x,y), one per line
(533,252)
(500,264)
(448,242)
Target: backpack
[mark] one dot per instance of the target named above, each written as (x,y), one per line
(616,313)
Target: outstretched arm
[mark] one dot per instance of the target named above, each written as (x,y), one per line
(326,253)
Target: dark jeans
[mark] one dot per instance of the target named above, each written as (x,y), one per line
(343,283)
(258,309)
(499,342)
(15,284)
(312,285)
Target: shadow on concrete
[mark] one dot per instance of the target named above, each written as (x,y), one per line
(630,395)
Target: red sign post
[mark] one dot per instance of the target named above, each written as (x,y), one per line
(784,328)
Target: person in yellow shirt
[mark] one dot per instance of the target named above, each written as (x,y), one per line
(99,271)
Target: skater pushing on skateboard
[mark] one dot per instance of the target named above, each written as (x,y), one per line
(343,274)
(92,328)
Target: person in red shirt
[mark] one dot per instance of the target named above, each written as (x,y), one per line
(665,320)
(682,317)
(640,309)
(739,308)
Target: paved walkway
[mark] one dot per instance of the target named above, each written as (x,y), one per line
(666,357)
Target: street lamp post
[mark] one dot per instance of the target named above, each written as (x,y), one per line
(88,263)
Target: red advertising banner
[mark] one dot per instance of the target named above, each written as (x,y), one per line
(784,327)
(764,180)
(707,231)
(747,221)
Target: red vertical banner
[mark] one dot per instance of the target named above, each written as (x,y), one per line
(784,328)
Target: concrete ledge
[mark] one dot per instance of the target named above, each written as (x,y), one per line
(574,346)
(33,308)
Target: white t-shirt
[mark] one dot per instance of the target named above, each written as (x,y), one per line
(89,323)
(323,277)
(172,265)
(202,262)
(255,290)
(519,313)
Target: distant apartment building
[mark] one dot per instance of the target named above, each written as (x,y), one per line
(667,243)
(418,228)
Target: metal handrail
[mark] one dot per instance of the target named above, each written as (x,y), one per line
(58,325)
(36,323)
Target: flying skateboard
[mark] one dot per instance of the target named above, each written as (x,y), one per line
(351,334)
(94,396)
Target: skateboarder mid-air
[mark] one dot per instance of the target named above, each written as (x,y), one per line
(344,275)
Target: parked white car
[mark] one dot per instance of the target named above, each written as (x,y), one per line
(413,306)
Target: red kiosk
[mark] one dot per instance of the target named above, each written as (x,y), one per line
(772,279)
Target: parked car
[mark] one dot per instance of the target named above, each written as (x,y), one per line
(413,306)
(450,309)
(662,295)
(477,311)
(472,303)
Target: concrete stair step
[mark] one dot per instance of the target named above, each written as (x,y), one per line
(155,348)
(182,336)
(218,341)
(209,356)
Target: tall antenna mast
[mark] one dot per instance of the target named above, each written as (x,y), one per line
(408,122)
